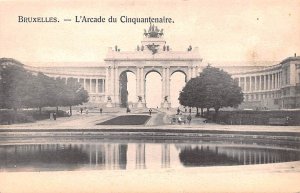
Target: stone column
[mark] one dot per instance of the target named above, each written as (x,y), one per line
(142,83)
(168,83)
(117,85)
(280,82)
(112,86)
(90,85)
(293,74)
(259,83)
(84,84)
(97,90)
(103,85)
(279,79)
(250,84)
(265,82)
(270,81)
(106,91)
(138,82)
(276,80)
(239,81)
(255,83)
(163,93)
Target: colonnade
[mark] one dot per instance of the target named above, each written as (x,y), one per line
(265,82)
(91,85)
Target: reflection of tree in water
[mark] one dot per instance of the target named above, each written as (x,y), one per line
(204,157)
(64,156)
(43,156)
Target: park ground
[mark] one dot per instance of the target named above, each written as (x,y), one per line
(279,177)
(159,119)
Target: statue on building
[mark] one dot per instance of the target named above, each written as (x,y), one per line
(153,32)
(109,99)
(153,48)
(166,98)
(140,98)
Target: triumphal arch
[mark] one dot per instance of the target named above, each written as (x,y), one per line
(268,85)
(153,54)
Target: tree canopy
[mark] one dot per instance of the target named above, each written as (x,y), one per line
(20,88)
(214,88)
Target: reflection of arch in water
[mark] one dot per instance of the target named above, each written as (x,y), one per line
(165,155)
(140,159)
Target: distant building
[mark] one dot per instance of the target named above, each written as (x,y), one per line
(274,87)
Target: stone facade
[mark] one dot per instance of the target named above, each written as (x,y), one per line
(273,87)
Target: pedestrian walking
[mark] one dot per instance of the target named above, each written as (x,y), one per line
(101,110)
(150,111)
(189,118)
(178,111)
(81,109)
(54,116)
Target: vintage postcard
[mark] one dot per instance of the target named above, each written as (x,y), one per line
(149,96)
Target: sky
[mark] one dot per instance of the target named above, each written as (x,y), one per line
(237,31)
(224,31)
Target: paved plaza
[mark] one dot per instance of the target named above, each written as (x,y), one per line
(160,119)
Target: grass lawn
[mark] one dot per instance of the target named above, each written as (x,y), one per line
(127,120)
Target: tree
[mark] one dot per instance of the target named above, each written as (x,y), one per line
(43,87)
(15,87)
(123,89)
(74,94)
(191,95)
(214,88)
(20,88)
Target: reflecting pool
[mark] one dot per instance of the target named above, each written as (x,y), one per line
(126,155)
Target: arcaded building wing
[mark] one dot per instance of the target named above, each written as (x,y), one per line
(265,85)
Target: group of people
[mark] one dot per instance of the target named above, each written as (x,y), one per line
(87,110)
(188,118)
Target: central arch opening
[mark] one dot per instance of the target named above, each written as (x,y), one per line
(153,89)
(177,82)
(127,89)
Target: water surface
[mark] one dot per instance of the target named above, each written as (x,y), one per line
(108,155)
